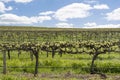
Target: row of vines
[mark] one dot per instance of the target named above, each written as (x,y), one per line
(40,36)
(84,47)
(81,42)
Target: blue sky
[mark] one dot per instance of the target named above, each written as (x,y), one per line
(61,13)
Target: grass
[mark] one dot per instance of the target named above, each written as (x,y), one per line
(78,63)
(68,63)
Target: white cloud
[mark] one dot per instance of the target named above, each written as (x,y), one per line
(41,18)
(90,24)
(3,8)
(101,6)
(94,25)
(64,25)
(17,1)
(77,10)
(90,1)
(47,13)
(23,1)
(114,15)
(14,19)
(74,10)
(5,0)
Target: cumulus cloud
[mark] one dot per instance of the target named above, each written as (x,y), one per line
(23,1)
(90,1)
(114,15)
(47,13)
(41,18)
(74,10)
(3,8)
(94,25)
(14,19)
(90,24)
(77,10)
(101,6)
(17,1)
(5,0)
(64,25)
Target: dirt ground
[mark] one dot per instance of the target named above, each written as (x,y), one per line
(69,76)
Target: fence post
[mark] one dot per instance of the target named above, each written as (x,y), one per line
(31,56)
(36,65)
(4,62)
(8,54)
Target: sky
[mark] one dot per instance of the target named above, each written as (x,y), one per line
(61,13)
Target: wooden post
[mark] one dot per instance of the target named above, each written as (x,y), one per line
(4,62)
(36,65)
(31,56)
(53,53)
(60,52)
(47,54)
(19,52)
(8,54)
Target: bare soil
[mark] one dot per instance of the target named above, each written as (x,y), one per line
(68,76)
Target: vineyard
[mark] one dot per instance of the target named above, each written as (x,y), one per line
(94,51)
